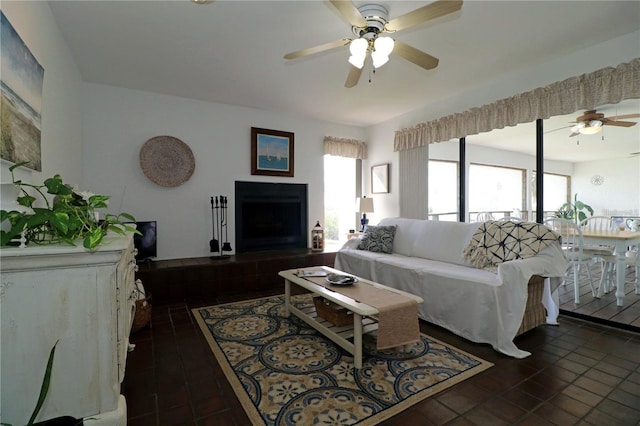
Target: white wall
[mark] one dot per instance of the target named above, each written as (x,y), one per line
(619,194)
(381,136)
(61,128)
(117,122)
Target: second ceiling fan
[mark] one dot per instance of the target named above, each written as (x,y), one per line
(591,122)
(370,24)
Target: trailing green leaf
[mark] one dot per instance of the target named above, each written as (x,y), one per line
(44,389)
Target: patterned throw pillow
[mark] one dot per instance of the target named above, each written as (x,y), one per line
(378,239)
(497,241)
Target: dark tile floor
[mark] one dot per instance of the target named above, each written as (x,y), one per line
(579,373)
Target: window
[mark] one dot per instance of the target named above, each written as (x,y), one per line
(443,190)
(494,189)
(339,197)
(556,192)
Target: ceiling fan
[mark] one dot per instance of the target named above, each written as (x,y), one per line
(370,23)
(591,122)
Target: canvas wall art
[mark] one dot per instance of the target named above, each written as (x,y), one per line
(271,152)
(21,77)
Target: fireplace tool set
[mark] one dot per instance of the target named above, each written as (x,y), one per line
(219,222)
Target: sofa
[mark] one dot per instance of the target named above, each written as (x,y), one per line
(490,303)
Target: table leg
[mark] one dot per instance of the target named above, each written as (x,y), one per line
(620,274)
(287,298)
(357,340)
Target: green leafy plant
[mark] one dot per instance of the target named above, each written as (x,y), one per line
(576,211)
(71,216)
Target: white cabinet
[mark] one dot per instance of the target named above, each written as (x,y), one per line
(82,299)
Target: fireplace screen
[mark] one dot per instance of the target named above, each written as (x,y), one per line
(270,216)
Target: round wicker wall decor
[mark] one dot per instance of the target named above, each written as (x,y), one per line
(167,161)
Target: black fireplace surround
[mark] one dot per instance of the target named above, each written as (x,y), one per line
(270,216)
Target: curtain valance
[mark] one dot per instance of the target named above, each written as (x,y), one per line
(587,91)
(351,148)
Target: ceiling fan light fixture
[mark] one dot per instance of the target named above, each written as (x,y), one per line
(358,49)
(384,45)
(379,59)
(357,61)
(591,128)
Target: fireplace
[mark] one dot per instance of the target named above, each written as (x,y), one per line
(270,216)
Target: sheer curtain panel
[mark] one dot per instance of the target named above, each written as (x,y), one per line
(413,168)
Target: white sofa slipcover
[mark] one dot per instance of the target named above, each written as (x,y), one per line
(427,260)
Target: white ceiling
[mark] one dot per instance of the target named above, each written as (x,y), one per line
(232,52)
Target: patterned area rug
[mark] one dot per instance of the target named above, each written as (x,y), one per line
(286,373)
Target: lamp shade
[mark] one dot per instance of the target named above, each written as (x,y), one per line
(364,205)
(593,127)
(588,128)
(384,45)
(378,59)
(382,48)
(358,49)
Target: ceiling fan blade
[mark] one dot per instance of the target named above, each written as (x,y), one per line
(423,14)
(619,123)
(350,12)
(317,49)
(414,55)
(559,128)
(616,117)
(353,77)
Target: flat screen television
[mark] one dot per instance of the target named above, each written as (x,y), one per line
(147,241)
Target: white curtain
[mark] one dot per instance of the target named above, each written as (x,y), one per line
(587,91)
(351,148)
(413,168)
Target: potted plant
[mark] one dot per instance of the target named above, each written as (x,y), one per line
(576,211)
(70,216)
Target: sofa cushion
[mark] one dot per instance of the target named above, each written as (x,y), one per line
(432,239)
(444,241)
(406,231)
(378,239)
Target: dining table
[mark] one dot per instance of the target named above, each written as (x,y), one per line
(621,240)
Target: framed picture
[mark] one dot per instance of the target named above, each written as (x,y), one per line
(21,76)
(271,152)
(380,179)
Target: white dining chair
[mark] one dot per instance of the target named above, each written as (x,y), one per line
(484,216)
(599,252)
(511,219)
(573,248)
(609,262)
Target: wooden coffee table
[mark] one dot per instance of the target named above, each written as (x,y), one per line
(364,316)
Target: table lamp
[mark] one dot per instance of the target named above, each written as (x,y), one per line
(364,205)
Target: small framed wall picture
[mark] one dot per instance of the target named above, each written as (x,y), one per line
(380,179)
(271,152)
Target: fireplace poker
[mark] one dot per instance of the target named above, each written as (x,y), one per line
(213,244)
